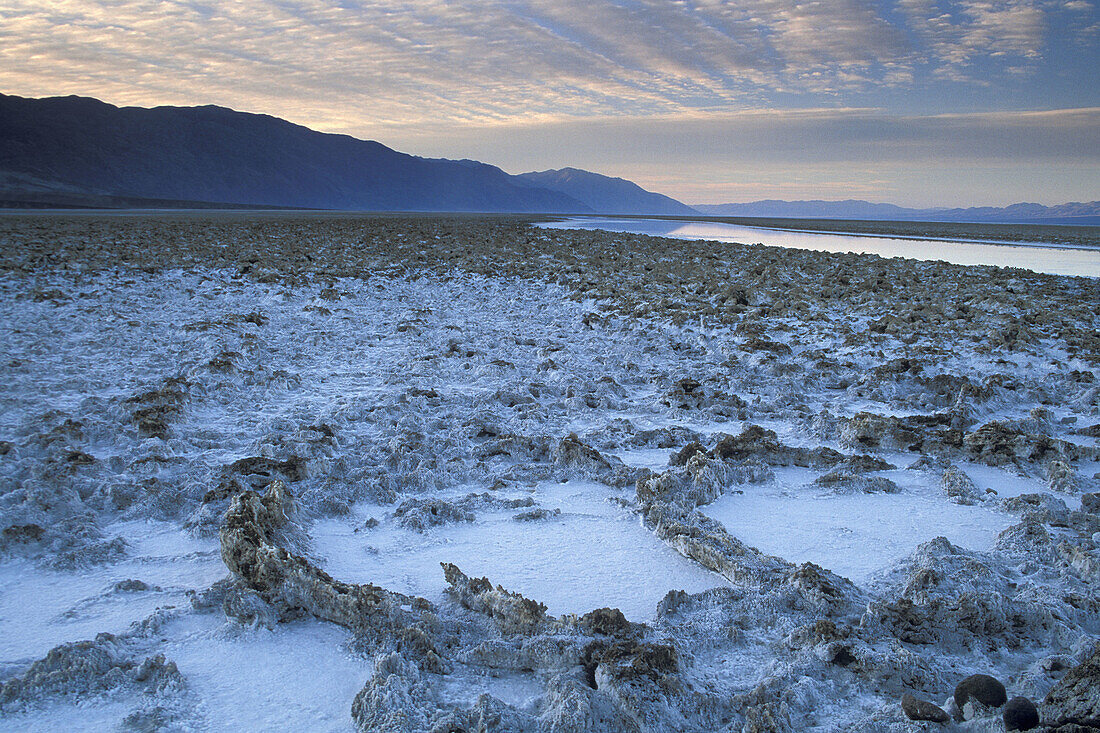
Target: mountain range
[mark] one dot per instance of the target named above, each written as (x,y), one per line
(78,151)
(81,152)
(1071,213)
(607,195)
(74,146)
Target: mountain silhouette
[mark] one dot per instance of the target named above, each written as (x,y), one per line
(81,149)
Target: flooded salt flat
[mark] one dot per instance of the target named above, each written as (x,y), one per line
(1054,260)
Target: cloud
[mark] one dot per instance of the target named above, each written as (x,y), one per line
(650,89)
(954,35)
(953,159)
(343,64)
(822,135)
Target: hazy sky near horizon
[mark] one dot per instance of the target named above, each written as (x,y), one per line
(917,102)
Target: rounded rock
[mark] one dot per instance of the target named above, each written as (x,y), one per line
(917,709)
(983,688)
(1020,714)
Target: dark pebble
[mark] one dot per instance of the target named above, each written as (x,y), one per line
(983,688)
(1020,714)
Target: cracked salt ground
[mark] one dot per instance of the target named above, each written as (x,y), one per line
(655,459)
(854,535)
(94,715)
(588,553)
(521,689)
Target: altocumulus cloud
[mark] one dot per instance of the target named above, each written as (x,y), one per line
(342,65)
(629,87)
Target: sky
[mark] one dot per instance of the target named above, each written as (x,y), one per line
(915,102)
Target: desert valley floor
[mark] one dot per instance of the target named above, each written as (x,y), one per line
(328,472)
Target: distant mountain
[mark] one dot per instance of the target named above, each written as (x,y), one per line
(1072,213)
(806,209)
(80,151)
(1075,211)
(605,194)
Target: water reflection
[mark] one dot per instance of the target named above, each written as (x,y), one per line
(1038,258)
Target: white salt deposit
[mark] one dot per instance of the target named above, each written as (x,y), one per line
(593,554)
(854,535)
(297,676)
(41,607)
(436,387)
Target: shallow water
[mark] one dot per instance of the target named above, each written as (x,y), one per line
(1036,257)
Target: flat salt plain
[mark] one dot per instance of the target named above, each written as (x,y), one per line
(414,383)
(593,554)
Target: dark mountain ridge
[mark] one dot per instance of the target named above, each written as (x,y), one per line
(77,146)
(606,194)
(79,151)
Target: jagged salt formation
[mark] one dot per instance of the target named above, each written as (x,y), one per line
(245,377)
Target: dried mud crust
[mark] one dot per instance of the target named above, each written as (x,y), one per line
(844,367)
